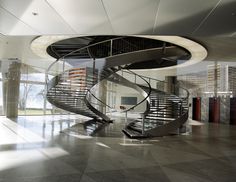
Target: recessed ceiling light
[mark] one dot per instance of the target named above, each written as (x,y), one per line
(34,13)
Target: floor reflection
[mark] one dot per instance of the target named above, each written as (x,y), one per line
(50,125)
(46,149)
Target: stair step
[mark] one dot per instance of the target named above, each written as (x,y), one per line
(138,127)
(153,120)
(163,107)
(73,86)
(160,118)
(133,134)
(158,110)
(162,115)
(160,122)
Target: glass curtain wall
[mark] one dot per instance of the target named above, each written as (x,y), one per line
(111,95)
(211,80)
(1,96)
(31,98)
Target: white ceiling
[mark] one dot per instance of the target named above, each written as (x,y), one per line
(18,47)
(181,16)
(210,22)
(168,17)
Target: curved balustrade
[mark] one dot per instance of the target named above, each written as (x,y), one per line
(167,111)
(146,96)
(97,105)
(73,88)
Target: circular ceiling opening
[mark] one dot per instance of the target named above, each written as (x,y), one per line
(136,52)
(154,53)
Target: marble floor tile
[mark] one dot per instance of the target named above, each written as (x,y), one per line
(37,169)
(55,178)
(177,176)
(37,148)
(212,169)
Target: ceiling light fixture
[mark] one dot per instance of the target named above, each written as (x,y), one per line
(34,13)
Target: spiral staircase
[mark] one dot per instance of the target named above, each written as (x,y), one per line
(74,89)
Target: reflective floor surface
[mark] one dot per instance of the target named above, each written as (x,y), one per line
(42,149)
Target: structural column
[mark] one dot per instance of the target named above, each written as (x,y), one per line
(170,82)
(214,102)
(169,87)
(103,95)
(11,85)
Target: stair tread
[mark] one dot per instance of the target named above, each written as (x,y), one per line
(133,134)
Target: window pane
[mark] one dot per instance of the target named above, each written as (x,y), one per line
(1,99)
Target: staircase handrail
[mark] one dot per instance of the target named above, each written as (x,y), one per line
(77,50)
(103,103)
(150,78)
(143,100)
(128,71)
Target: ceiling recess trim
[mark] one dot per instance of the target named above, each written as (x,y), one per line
(197,51)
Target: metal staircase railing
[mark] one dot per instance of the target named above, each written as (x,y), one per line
(179,104)
(77,87)
(63,79)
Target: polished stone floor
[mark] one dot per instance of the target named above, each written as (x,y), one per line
(43,149)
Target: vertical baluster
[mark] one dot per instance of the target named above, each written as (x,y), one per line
(126,119)
(45,93)
(143,122)
(181,108)
(63,65)
(111,47)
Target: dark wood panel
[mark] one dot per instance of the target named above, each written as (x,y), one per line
(214,110)
(233,111)
(196,108)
